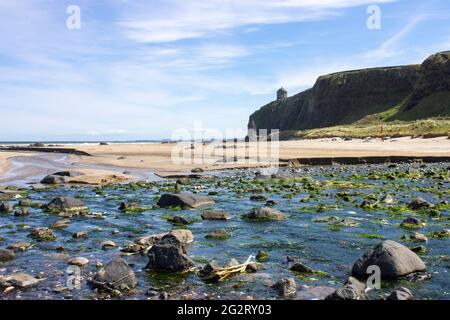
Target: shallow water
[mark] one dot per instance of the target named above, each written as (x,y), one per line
(332,250)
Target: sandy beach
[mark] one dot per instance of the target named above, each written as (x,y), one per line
(120,162)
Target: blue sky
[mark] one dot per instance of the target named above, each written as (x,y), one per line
(141,69)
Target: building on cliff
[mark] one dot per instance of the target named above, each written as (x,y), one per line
(282,94)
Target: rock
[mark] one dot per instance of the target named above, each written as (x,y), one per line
(215,215)
(219,234)
(115,275)
(270,203)
(394,260)
(401,294)
(184,200)
(179,238)
(258,197)
(21,212)
(197,170)
(416,236)
(66,204)
(5,207)
(25,203)
(419,203)
(298,266)
(178,220)
(78,261)
(419,249)
(42,234)
(352,290)
(80,234)
(262,255)
(387,199)
(67,174)
(264,213)
(19,246)
(21,280)
(60,224)
(108,244)
(209,268)
(286,287)
(130,206)
(412,222)
(6,255)
(168,257)
(50,179)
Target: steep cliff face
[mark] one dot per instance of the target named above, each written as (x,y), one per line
(346,97)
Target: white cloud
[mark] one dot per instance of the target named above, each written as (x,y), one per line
(181,19)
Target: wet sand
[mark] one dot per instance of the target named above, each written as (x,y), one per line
(141,161)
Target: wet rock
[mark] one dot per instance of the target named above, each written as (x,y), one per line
(42,234)
(299,266)
(258,197)
(415,236)
(108,244)
(20,280)
(115,275)
(412,222)
(80,235)
(60,224)
(262,256)
(6,255)
(209,268)
(353,289)
(78,261)
(184,200)
(181,237)
(5,207)
(168,257)
(387,199)
(369,203)
(197,170)
(219,234)
(264,213)
(270,203)
(22,212)
(19,246)
(401,294)
(215,215)
(25,203)
(419,203)
(130,206)
(419,249)
(178,220)
(66,205)
(394,260)
(51,179)
(285,287)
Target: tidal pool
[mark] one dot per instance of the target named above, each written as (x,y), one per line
(308,196)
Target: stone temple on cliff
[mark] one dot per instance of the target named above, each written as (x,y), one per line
(282,94)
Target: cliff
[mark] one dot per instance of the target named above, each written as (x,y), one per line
(415,91)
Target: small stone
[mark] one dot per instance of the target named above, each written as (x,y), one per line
(80,234)
(262,255)
(298,266)
(258,197)
(115,231)
(387,199)
(130,206)
(115,275)
(60,224)
(42,234)
(353,290)
(21,280)
(19,246)
(178,220)
(78,261)
(21,212)
(5,207)
(401,294)
(286,287)
(108,244)
(6,255)
(218,234)
(412,222)
(264,213)
(419,203)
(215,215)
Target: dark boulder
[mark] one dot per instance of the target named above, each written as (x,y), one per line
(115,275)
(352,290)
(215,215)
(184,200)
(168,257)
(51,179)
(394,260)
(286,287)
(419,203)
(264,213)
(66,204)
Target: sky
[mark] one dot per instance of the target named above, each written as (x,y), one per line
(137,70)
